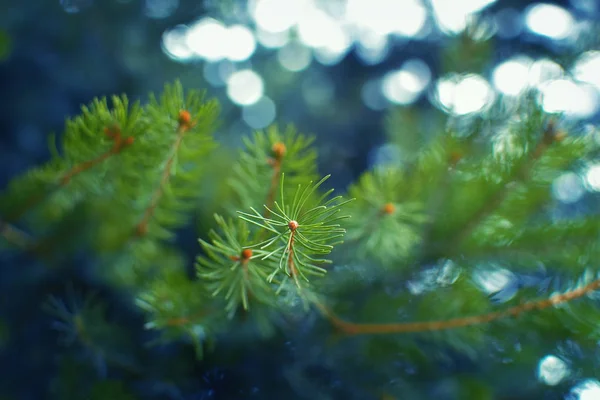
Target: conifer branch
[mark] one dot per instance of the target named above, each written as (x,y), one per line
(184,124)
(354,329)
(549,136)
(118,145)
(279,150)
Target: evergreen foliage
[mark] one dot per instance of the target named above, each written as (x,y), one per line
(419,234)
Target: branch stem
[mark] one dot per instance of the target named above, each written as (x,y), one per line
(351,328)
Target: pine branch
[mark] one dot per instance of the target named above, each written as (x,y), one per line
(519,174)
(351,328)
(185,123)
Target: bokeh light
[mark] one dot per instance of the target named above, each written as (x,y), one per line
(587,68)
(404,86)
(245,87)
(260,114)
(592,178)
(568,188)
(464,94)
(588,389)
(453,16)
(492,279)
(549,20)
(512,76)
(294,57)
(174,43)
(565,95)
(552,370)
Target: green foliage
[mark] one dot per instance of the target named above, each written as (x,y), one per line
(228,272)
(384,227)
(300,232)
(458,204)
(267,155)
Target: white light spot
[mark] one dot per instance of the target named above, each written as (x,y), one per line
(512,76)
(493,280)
(277,15)
(552,370)
(587,68)
(327,57)
(245,87)
(592,178)
(452,16)
(564,95)
(272,40)
(372,48)
(568,187)
(549,20)
(317,29)
(260,114)
(294,57)
(386,17)
(174,43)
(587,390)
(240,43)
(406,84)
(467,94)
(206,37)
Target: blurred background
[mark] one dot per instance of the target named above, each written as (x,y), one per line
(334,68)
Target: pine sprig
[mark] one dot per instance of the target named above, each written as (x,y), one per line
(300,233)
(385,226)
(232,270)
(267,155)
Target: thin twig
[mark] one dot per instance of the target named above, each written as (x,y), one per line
(351,328)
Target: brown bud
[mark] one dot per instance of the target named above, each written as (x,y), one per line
(279,150)
(246,254)
(293,225)
(388,208)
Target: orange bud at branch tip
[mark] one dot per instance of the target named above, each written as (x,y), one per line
(246,254)
(184,119)
(388,208)
(279,150)
(293,225)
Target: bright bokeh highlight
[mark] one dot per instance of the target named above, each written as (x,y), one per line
(552,370)
(245,87)
(592,178)
(512,76)
(587,390)
(568,188)
(549,20)
(465,94)
(453,16)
